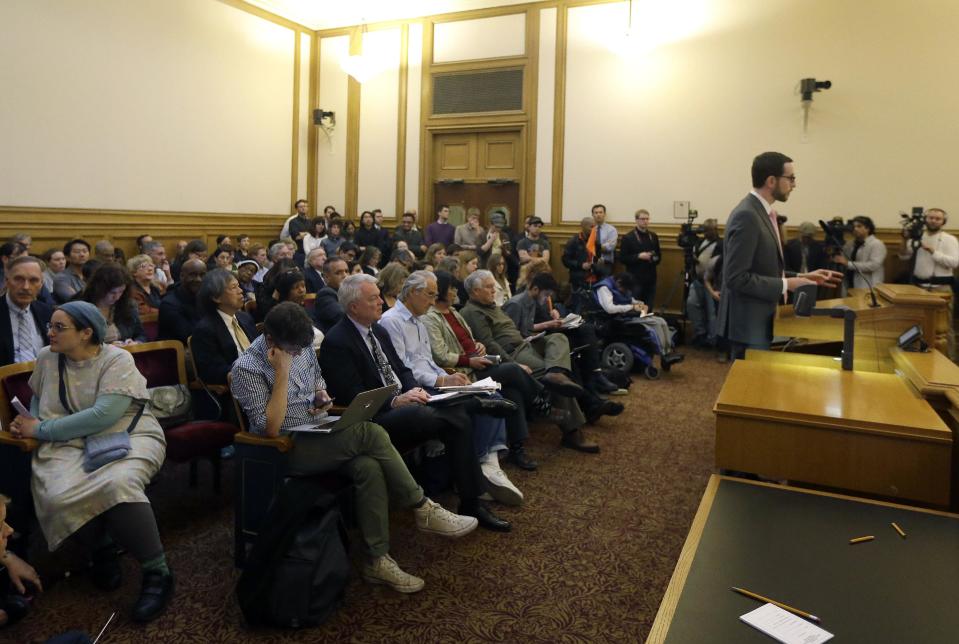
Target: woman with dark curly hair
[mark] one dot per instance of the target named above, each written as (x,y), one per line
(109,290)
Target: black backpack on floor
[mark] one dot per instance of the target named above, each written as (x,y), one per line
(298,569)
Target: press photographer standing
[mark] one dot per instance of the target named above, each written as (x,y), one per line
(935,260)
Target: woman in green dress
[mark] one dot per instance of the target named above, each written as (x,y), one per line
(99,447)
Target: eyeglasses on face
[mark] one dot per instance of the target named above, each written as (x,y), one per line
(791,178)
(59,327)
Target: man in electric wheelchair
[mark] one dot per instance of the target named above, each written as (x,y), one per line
(630,329)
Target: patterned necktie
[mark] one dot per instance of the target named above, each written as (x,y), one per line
(26,352)
(241,338)
(386,372)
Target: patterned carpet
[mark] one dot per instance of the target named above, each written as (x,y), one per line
(588,560)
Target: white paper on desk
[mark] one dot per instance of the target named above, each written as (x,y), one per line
(484,386)
(785,627)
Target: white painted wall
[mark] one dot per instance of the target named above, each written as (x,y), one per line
(379,114)
(157,105)
(480,38)
(684,119)
(331,153)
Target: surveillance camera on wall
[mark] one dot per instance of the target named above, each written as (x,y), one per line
(324,118)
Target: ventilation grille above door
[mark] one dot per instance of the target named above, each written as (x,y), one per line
(499,90)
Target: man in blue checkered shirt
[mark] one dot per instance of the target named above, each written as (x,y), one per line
(278,383)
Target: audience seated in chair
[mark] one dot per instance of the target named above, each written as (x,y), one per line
(144,291)
(410,339)
(178,312)
(547,357)
(327,310)
(22,582)
(109,290)
(454,347)
(279,385)
(313,270)
(361,354)
(86,389)
(291,287)
(70,281)
(223,332)
(23,319)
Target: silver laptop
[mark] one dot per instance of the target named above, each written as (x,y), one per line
(363,408)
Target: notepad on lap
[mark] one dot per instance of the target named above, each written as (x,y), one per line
(785,627)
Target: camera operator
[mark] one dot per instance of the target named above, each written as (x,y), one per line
(934,261)
(701,308)
(864,252)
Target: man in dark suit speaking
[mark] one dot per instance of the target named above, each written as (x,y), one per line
(754,276)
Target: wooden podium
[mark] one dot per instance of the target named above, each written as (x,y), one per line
(849,430)
(877,329)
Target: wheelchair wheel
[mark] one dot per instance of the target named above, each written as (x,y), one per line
(651,372)
(617,356)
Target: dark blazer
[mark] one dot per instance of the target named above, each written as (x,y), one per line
(41,316)
(575,254)
(793,255)
(752,275)
(327,310)
(178,315)
(632,244)
(314,280)
(213,349)
(348,366)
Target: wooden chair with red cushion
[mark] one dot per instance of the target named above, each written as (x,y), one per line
(16,453)
(151,325)
(163,364)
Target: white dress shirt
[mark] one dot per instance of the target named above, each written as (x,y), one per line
(940,263)
(228,321)
(412,343)
(365,334)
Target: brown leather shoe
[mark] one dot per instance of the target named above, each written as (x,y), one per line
(576,440)
(561,383)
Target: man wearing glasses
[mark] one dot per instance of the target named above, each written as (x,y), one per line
(754,277)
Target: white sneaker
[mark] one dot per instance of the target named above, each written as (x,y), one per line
(383,570)
(433,517)
(499,486)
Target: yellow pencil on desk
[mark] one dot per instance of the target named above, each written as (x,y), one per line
(898,529)
(861,539)
(794,611)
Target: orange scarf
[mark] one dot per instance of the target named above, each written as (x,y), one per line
(591,253)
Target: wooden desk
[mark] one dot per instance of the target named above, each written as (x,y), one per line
(792,545)
(877,329)
(932,374)
(866,432)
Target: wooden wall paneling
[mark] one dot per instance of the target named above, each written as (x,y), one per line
(295,145)
(559,116)
(314,141)
(52,227)
(401,121)
(353,132)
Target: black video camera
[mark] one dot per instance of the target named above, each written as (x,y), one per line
(689,235)
(913,225)
(836,230)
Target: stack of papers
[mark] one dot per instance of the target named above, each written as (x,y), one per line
(484,386)
(572,321)
(785,627)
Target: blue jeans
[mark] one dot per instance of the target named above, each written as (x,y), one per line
(701,310)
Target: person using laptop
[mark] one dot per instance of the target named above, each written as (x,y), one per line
(278,384)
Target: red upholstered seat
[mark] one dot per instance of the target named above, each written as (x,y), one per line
(18,385)
(197,439)
(159,366)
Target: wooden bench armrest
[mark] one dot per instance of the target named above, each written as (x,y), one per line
(23,444)
(282,444)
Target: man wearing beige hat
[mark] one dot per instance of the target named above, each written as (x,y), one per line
(806,253)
